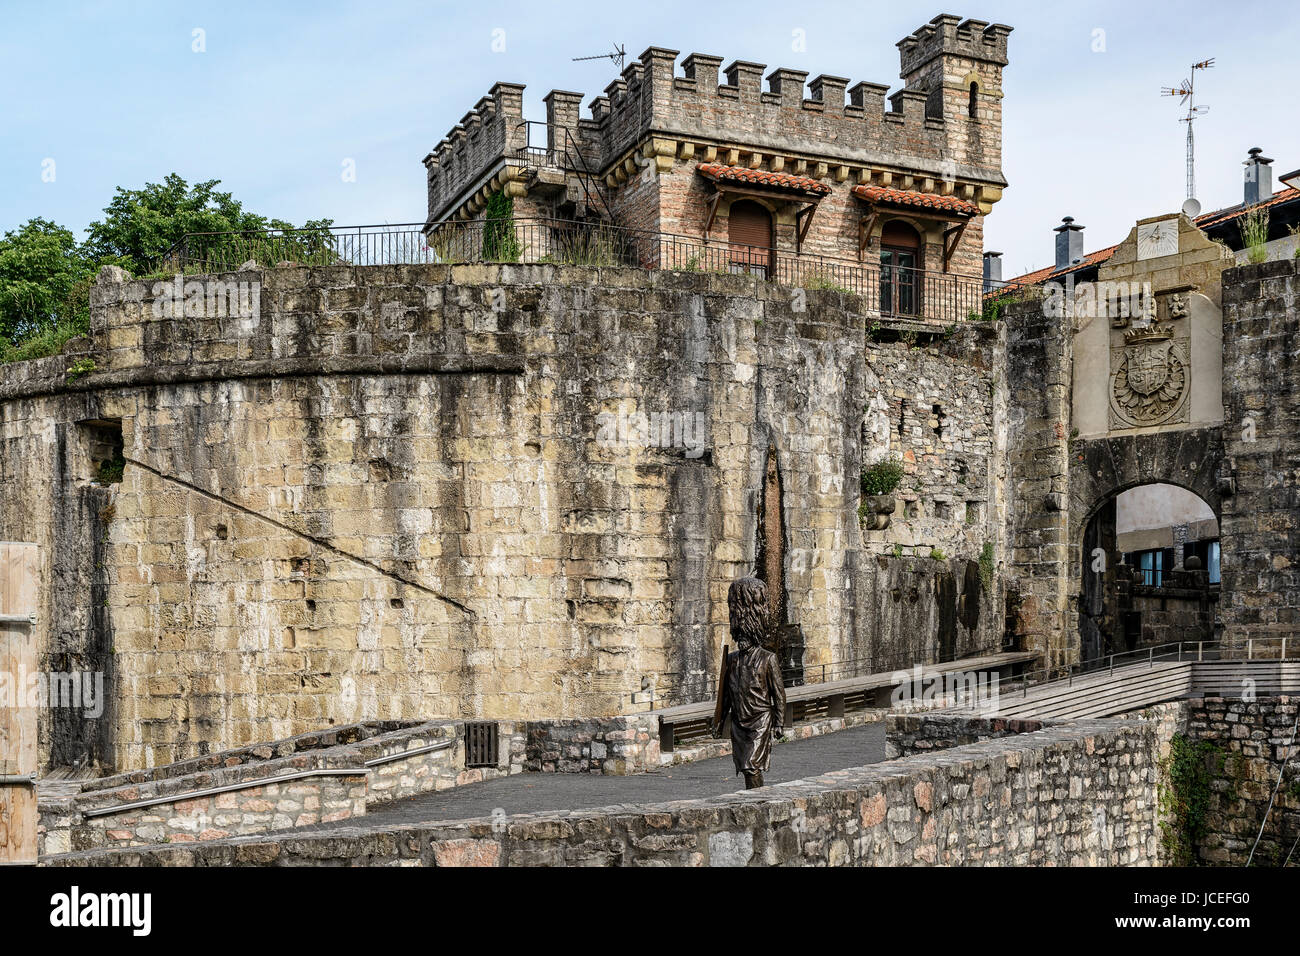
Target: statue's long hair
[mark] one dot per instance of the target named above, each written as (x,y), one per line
(747,607)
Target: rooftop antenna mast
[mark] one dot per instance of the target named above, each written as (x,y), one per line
(1187,90)
(618,56)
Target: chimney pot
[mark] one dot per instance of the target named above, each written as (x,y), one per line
(992,271)
(1069,243)
(1259,178)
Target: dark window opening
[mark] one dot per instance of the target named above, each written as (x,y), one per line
(973,108)
(1208,551)
(104,454)
(481,744)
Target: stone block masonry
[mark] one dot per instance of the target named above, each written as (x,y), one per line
(1260,528)
(908,734)
(1249,743)
(399,492)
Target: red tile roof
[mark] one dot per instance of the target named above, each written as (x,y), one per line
(902,197)
(1205,220)
(757,177)
(1042,275)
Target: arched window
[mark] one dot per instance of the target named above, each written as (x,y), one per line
(749,232)
(973,108)
(900,269)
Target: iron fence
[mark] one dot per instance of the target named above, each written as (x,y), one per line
(895,291)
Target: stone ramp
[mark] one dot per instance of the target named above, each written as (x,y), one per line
(534,792)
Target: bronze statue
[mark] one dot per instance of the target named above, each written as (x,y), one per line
(750,690)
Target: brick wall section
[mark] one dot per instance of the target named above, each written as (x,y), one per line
(1260,530)
(1075,795)
(1254,740)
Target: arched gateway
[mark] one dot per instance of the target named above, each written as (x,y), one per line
(1134,400)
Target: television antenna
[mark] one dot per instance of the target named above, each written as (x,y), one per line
(1187,91)
(618,56)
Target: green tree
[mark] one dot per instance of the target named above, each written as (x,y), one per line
(140,226)
(44,281)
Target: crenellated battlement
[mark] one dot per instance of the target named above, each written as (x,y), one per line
(482,138)
(949,35)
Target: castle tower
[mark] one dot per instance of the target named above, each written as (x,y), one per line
(958,64)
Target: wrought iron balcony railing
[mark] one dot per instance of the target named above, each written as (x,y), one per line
(893,291)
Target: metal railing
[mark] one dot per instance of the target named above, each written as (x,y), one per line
(1271,648)
(704,686)
(1255,649)
(547,145)
(896,292)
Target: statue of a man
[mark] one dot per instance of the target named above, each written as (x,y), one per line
(752,693)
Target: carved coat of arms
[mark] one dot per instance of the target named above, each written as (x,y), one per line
(1150,382)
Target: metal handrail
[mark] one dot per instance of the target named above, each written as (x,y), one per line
(413,752)
(708,682)
(226,788)
(1041,676)
(1176,651)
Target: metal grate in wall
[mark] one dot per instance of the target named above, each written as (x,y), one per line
(481,744)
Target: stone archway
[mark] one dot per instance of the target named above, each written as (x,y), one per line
(1102,469)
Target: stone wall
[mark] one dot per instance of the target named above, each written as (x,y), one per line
(1039,358)
(397,492)
(931,583)
(313,778)
(617,745)
(1073,795)
(1260,521)
(1251,740)
(908,734)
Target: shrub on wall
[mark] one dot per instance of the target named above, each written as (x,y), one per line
(882,477)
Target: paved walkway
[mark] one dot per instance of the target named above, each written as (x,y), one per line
(534,792)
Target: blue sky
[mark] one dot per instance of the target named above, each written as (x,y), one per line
(285,92)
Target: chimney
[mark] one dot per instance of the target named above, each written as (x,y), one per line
(992,271)
(1259,177)
(1069,243)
